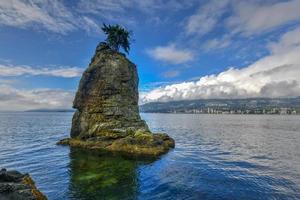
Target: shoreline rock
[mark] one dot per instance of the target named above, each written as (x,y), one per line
(144,145)
(15,185)
(107,113)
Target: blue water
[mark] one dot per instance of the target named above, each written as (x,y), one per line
(216,157)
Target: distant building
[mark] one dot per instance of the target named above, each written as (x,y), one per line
(283,111)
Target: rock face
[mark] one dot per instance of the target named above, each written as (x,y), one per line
(107,115)
(17,186)
(107,97)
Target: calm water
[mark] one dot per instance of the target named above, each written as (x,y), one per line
(216,157)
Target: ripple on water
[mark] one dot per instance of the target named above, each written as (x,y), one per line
(216,157)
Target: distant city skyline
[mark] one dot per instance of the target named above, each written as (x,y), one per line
(183,49)
(281,106)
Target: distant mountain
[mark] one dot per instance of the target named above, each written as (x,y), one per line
(51,110)
(228,106)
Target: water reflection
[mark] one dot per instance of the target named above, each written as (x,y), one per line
(102,176)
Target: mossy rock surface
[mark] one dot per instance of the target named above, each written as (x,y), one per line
(107,113)
(107,96)
(138,144)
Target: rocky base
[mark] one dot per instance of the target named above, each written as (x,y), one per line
(14,186)
(143,144)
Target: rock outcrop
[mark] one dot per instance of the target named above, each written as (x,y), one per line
(14,186)
(107,115)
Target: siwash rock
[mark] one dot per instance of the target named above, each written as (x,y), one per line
(107,113)
(107,97)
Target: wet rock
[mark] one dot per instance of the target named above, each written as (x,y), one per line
(107,113)
(145,145)
(17,186)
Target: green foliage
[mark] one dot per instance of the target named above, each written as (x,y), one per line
(117,37)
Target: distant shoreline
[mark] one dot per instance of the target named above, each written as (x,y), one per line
(261,106)
(51,110)
(214,113)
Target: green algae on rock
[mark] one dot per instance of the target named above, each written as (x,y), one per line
(14,186)
(107,116)
(151,145)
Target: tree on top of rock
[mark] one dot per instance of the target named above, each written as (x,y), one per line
(117,37)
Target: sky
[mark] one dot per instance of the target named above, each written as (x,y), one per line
(191,49)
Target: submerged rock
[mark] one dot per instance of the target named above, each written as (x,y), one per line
(107,115)
(17,186)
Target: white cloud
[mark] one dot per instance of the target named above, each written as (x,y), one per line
(90,25)
(101,7)
(272,76)
(171,54)
(66,72)
(121,11)
(52,15)
(288,40)
(217,43)
(12,99)
(239,17)
(254,18)
(206,18)
(58,17)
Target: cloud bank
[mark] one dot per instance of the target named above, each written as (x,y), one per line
(246,17)
(65,72)
(276,75)
(60,17)
(12,99)
(252,18)
(51,15)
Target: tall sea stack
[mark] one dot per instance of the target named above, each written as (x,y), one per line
(107,97)
(107,116)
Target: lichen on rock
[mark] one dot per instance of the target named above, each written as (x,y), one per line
(107,113)
(14,185)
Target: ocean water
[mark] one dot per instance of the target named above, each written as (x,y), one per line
(216,157)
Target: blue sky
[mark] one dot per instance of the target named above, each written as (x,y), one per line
(183,49)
